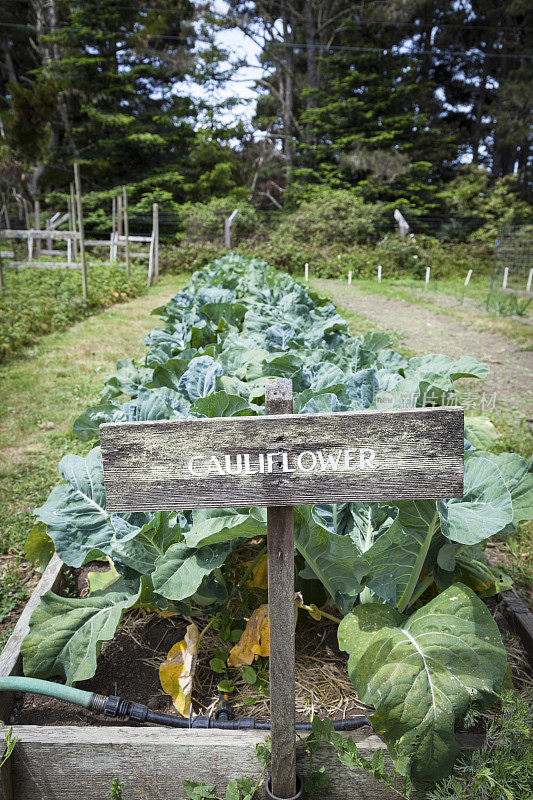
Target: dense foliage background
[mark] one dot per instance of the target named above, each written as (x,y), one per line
(415,104)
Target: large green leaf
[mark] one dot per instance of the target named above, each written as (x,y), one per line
(180,571)
(485,509)
(517,474)
(74,513)
(480,432)
(66,633)
(86,426)
(143,546)
(422,674)
(224,524)
(333,559)
(128,379)
(398,554)
(368,522)
(222,404)
(167,375)
(199,380)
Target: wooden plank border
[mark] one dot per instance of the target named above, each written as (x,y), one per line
(10,658)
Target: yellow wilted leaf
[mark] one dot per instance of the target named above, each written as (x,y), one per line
(101,580)
(254,640)
(177,672)
(259,578)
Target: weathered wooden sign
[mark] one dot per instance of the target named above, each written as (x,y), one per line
(283,460)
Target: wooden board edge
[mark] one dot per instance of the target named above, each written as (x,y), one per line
(148,736)
(521,618)
(10,658)
(46,754)
(518,614)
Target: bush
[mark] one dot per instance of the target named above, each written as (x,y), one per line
(334,217)
(485,206)
(202,222)
(39,301)
(503,768)
(187,256)
(399,258)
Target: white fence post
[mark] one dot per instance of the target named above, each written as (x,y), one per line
(350,276)
(428,271)
(379,273)
(469,275)
(306,271)
(529,280)
(505,276)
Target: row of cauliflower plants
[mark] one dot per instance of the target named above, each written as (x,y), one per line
(407,577)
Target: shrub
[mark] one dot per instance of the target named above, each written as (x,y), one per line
(205,221)
(187,256)
(334,217)
(486,205)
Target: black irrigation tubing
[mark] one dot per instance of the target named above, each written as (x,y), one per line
(223,719)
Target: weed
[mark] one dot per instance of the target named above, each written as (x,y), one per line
(116,790)
(503,768)
(10,746)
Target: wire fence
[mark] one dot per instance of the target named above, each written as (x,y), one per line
(513,257)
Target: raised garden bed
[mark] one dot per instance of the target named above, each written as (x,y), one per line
(51,760)
(61,747)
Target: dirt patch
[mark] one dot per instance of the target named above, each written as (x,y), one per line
(128,667)
(426,331)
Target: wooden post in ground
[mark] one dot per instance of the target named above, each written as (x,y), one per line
(126,229)
(280,542)
(72,222)
(227,228)
(155,236)
(529,280)
(113,224)
(1,275)
(119,227)
(505,276)
(37,227)
(81,232)
(28,226)
(6,216)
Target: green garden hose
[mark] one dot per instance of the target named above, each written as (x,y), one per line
(117,708)
(67,693)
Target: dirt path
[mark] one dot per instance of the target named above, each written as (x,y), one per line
(426,331)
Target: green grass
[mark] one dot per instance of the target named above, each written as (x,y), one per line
(37,301)
(42,394)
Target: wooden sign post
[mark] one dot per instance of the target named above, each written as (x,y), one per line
(281,622)
(278,461)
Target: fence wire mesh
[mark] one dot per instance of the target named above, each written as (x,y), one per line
(514,251)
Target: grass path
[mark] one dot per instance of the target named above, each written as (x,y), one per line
(42,394)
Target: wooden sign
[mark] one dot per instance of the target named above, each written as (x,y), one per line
(283,460)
